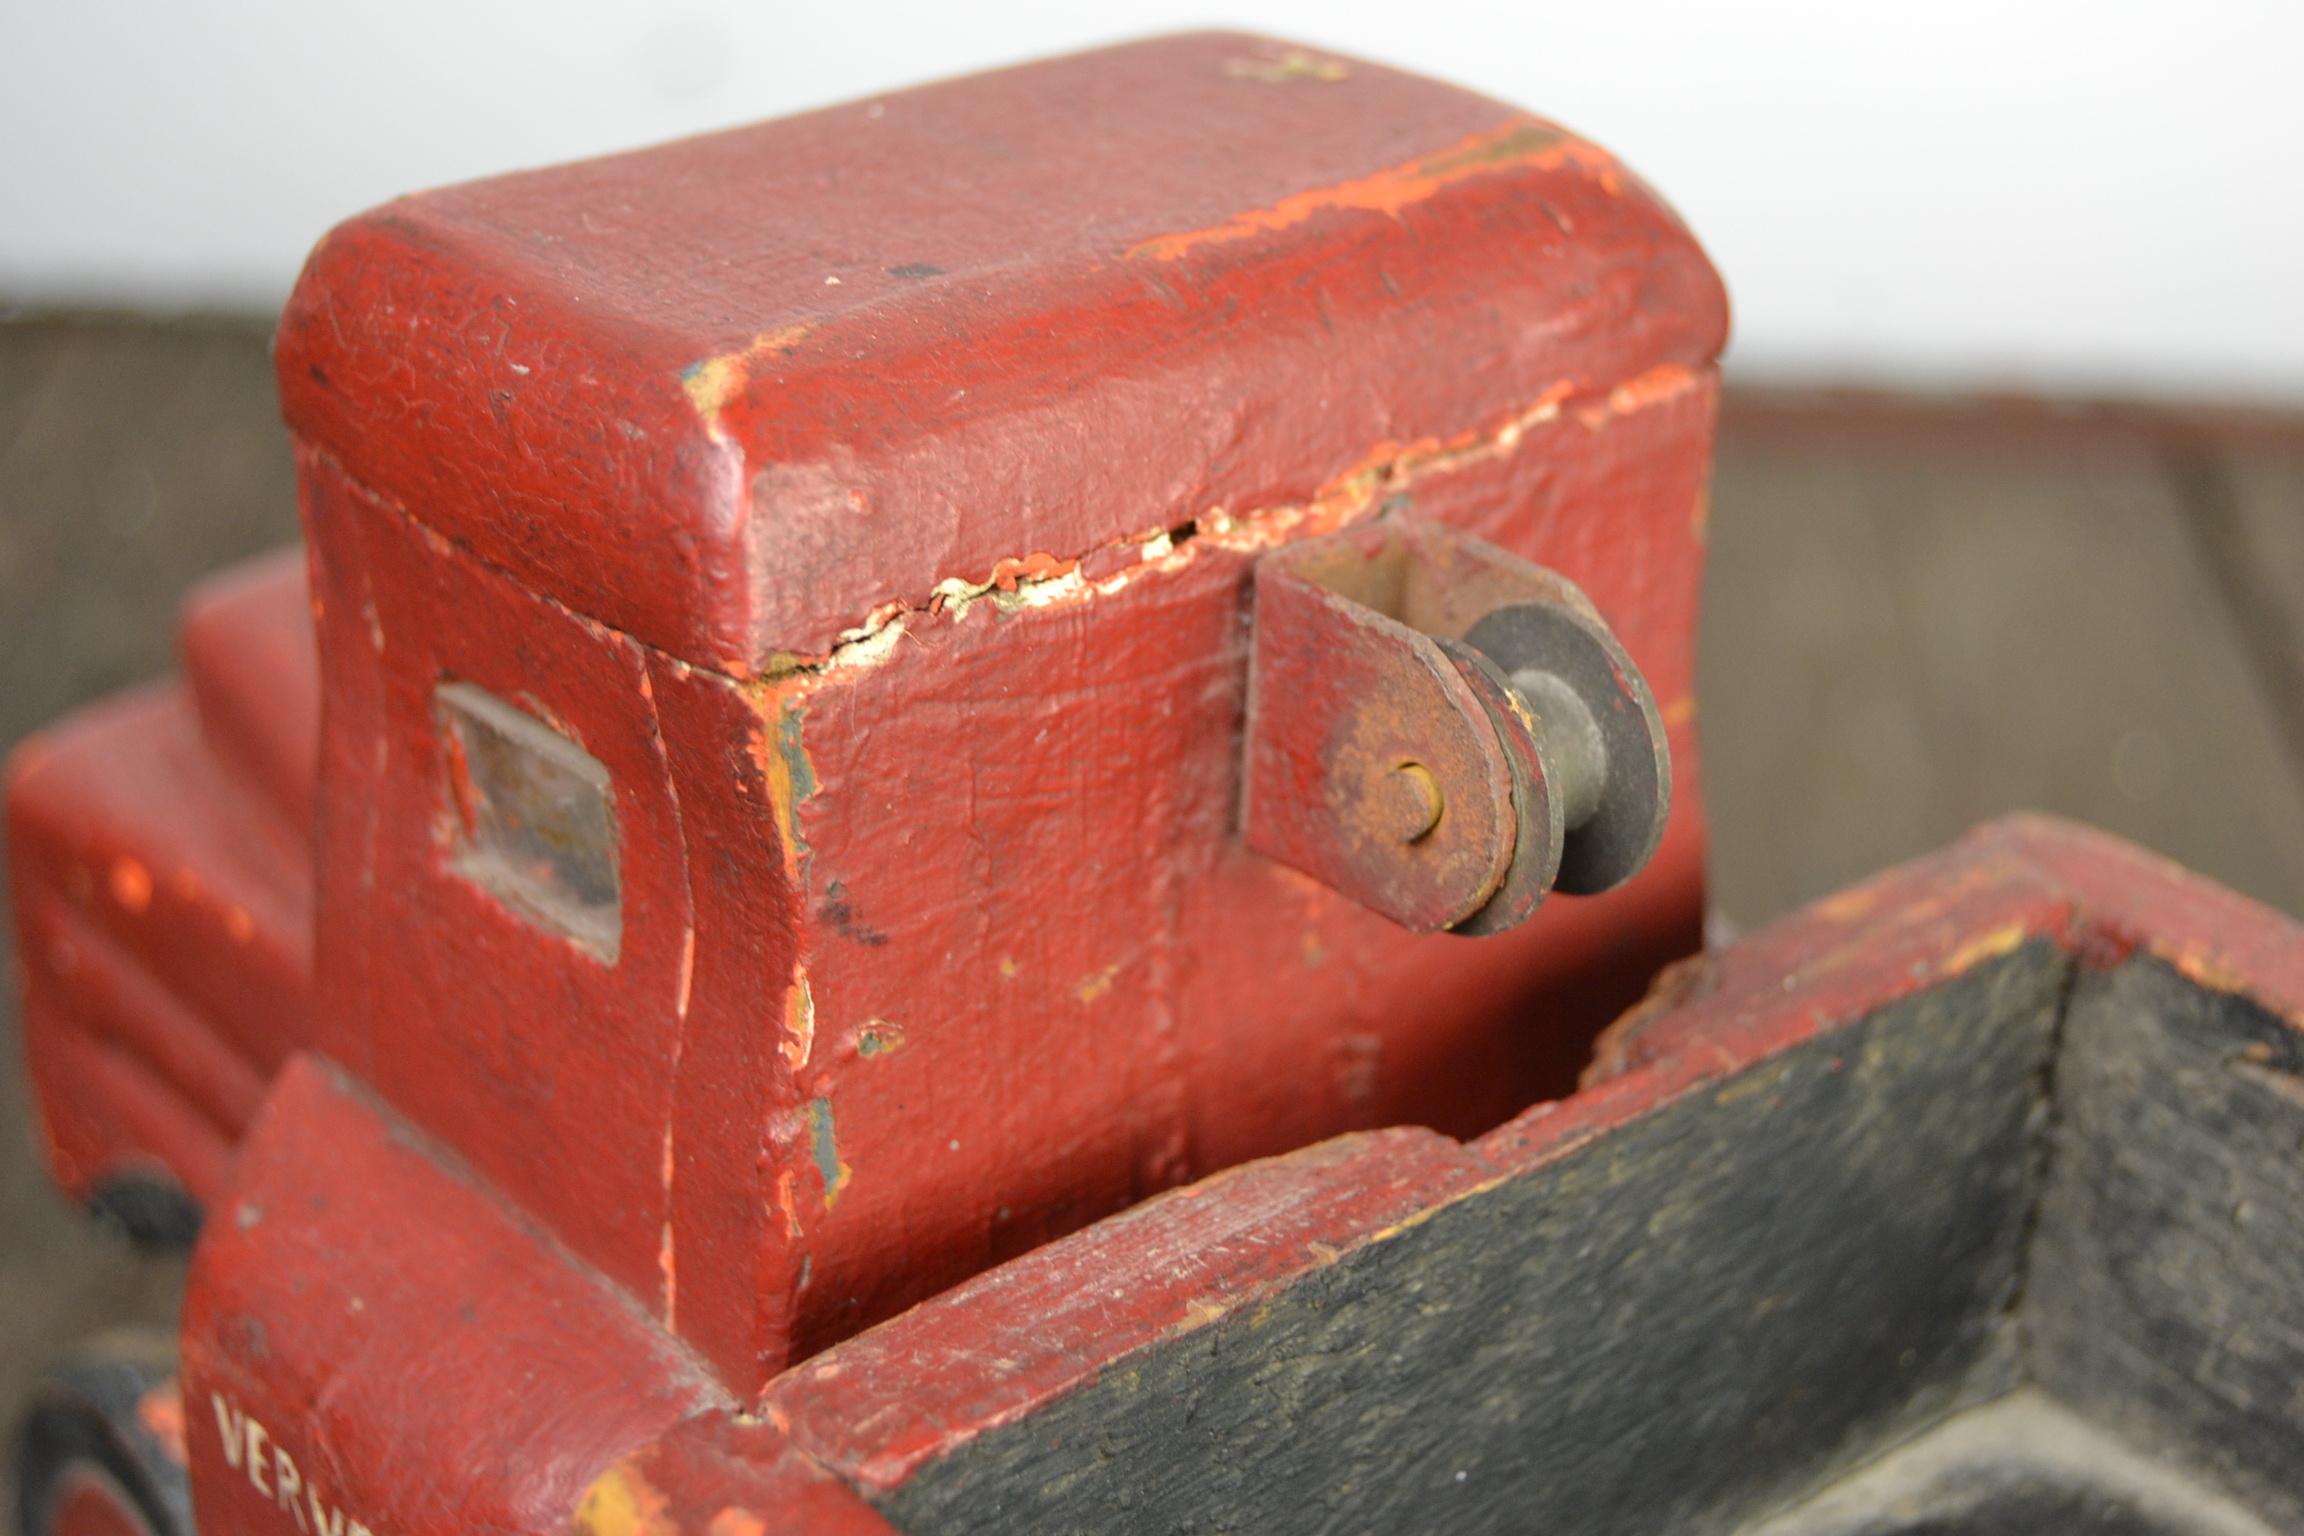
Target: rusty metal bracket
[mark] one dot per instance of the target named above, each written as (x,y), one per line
(1443,731)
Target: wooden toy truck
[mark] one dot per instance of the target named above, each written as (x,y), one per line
(869,694)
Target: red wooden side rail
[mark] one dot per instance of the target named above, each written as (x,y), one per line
(1831,1188)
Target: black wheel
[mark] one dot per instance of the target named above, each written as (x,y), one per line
(101,1453)
(150,1208)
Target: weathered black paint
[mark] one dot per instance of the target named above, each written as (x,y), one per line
(1691,1321)
(2168,1298)
(84,1420)
(2022,1466)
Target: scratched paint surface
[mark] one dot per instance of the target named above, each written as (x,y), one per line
(883,1408)
(1032,867)
(552,1072)
(647,1445)
(365,1294)
(921,681)
(906,614)
(1099,296)
(1525,142)
(931,892)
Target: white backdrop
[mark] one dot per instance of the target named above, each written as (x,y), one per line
(2102,194)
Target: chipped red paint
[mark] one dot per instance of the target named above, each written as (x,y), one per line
(653,1447)
(722,1474)
(877,1408)
(905,616)
(1036,709)
(1521,143)
(382,1319)
(160,876)
(906,619)
(632,383)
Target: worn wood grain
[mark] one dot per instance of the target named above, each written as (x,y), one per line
(1920,618)
(2163,1298)
(1224,295)
(2246,494)
(2016,1467)
(135,457)
(1694,1320)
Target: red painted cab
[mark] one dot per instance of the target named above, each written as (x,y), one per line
(785,608)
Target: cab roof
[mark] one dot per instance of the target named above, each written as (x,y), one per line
(736,394)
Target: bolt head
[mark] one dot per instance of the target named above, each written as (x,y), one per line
(1409,803)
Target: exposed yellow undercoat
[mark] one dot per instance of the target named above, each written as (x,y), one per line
(1520,142)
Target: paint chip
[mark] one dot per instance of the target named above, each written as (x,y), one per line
(714,381)
(799,1020)
(130,884)
(826,1150)
(1523,141)
(620,1502)
(1293,66)
(1098,985)
(1986,946)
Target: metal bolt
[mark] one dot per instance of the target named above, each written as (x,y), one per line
(1409,802)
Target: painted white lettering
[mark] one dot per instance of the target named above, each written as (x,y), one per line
(290,1482)
(227,1428)
(272,1471)
(258,1444)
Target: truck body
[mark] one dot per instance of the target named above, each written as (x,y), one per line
(838,896)
(733,822)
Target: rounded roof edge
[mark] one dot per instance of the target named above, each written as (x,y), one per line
(734,393)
